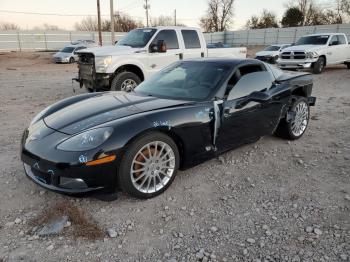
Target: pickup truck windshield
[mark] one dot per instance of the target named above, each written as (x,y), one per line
(193,81)
(137,37)
(313,40)
(68,49)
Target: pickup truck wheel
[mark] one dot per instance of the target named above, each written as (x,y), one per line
(319,66)
(149,165)
(295,128)
(125,81)
(348,65)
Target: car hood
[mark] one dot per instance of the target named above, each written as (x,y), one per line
(267,53)
(111,50)
(103,108)
(306,48)
(61,54)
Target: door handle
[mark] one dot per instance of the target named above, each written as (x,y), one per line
(181,55)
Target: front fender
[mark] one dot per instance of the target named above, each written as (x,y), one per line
(123,61)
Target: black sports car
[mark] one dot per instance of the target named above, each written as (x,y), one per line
(189,112)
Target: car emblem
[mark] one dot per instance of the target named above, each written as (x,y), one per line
(83,159)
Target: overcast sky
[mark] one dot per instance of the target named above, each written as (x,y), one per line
(188,11)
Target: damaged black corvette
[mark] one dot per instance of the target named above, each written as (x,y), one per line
(189,112)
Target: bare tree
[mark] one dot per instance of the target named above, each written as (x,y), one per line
(218,17)
(8,26)
(122,23)
(266,20)
(47,27)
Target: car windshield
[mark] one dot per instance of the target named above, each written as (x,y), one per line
(191,80)
(313,40)
(137,37)
(68,49)
(272,48)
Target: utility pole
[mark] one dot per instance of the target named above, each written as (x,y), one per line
(146,6)
(175,17)
(112,22)
(99,23)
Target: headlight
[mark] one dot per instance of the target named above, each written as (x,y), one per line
(102,62)
(86,140)
(311,55)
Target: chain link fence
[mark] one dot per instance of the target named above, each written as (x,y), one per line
(49,40)
(272,35)
(55,40)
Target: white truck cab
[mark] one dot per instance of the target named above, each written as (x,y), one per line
(141,53)
(316,51)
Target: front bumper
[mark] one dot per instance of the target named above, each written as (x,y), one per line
(92,80)
(68,178)
(294,64)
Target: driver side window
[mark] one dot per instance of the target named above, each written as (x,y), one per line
(169,37)
(334,40)
(246,80)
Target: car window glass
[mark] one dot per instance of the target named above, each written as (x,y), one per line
(244,70)
(341,40)
(191,39)
(334,40)
(170,38)
(249,83)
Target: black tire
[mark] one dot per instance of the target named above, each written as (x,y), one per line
(124,173)
(120,78)
(319,65)
(284,128)
(348,65)
(71,60)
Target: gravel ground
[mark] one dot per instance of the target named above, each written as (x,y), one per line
(274,200)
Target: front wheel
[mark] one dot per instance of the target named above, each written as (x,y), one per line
(319,65)
(348,65)
(71,60)
(125,81)
(296,127)
(149,165)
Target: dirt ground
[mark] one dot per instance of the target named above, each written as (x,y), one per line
(274,200)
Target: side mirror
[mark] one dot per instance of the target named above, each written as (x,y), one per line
(160,47)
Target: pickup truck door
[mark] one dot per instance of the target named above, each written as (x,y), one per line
(193,47)
(333,50)
(246,118)
(343,49)
(157,61)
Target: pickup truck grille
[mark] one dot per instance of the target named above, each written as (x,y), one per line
(86,58)
(86,66)
(294,55)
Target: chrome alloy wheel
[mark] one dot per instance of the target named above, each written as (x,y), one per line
(301,119)
(128,85)
(152,167)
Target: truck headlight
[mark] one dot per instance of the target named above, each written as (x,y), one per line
(311,55)
(102,62)
(87,140)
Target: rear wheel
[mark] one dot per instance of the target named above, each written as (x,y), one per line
(319,65)
(348,65)
(295,128)
(125,81)
(149,165)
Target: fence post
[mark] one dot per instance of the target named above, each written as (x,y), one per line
(278,35)
(265,36)
(248,37)
(70,37)
(45,41)
(295,34)
(337,28)
(315,29)
(211,38)
(19,42)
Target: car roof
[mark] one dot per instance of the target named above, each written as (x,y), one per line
(320,34)
(226,61)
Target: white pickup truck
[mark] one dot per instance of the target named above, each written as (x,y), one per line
(142,52)
(315,52)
